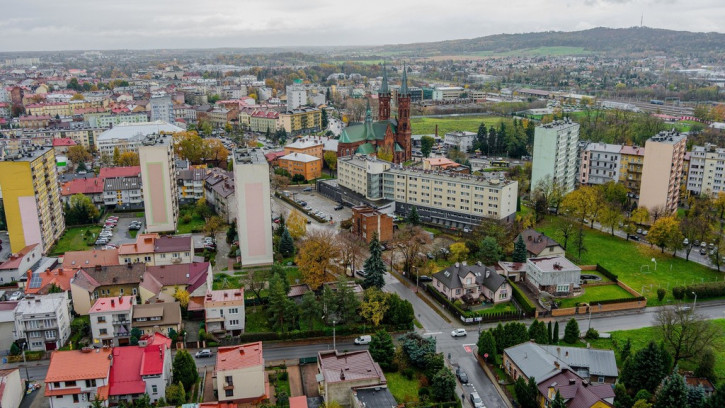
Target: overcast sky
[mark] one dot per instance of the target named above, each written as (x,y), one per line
(36,25)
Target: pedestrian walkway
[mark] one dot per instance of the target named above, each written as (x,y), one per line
(209,385)
(295,381)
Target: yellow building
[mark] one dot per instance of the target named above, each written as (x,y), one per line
(631,162)
(310,167)
(50,109)
(300,121)
(31,199)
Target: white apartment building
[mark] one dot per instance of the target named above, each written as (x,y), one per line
(254,213)
(707,164)
(224,311)
(43,321)
(123,193)
(296,96)
(128,137)
(462,140)
(447,93)
(600,163)
(555,153)
(111,321)
(158,176)
(363,175)
(162,109)
(451,200)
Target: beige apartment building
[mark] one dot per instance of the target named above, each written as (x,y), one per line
(705,175)
(363,175)
(254,212)
(158,172)
(448,199)
(662,171)
(630,169)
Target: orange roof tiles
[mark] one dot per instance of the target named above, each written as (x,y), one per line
(241,356)
(78,365)
(144,245)
(90,258)
(59,277)
(92,185)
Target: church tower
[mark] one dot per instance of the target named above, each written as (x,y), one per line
(384,98)
(404,131)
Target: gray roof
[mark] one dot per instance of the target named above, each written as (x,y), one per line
(538,361)
(122,183)
(533,361)
(453,276)
(131,130)
(378,397)
(596,362)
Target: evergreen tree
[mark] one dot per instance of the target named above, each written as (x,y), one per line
(646,368)
(555,334)
(487,345)
(309,309)
(526,392)
(281,226)
(558,401)
(482,138)
(672,393)
(323,119)
(550,334)
(281,311)
(696,397)
(537,332)
(382,349)
(626,350)
(286,244)
(413,218)
(184,369)
(519,254)
(717,399)
(571,331)
(443,385)
(706,366)
(622,399)
(232,232)
(374,266)
(490,252)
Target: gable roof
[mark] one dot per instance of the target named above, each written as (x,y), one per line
(240,356)
(92,185)
(536,241)
(576,392)
(192,275)
(14,262)
(170,313)
(586,362)
(533,361)
(126,171)
(90,258)
(144,245)
(42,281)
(453,276)
(92,278)
(172,244)
(131,364)
(366,131)
(78,365)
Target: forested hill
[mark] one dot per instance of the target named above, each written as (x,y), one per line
(601,40)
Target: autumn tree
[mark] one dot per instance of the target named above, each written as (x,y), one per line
(116,155)
(550,192)
(315,256)
(78,154)
(352,249)
(459,252)
(189,145)
(565,228)
(639,216)
(128,159)
(610,216)
(255,280)
(213,151)
(296,224)
(385,153)
(80,210)
(685,333)
(213,225)
(279,181)
(182,296)
(665,233)
(330,159)
(374,305)
(410,241)
(584,203)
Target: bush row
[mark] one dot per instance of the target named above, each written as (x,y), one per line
(703,290)
(612,301)
(604,271)
(302,334)
(523,301)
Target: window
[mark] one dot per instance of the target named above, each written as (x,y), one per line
(56,385)
(229,393)
(75,398)
(103,332)
(600,380)
(233,322)
(147,258)
(91,383)
(228,380)
(70,383)
(101,319)
(233,310)
(154,389)
(120,291)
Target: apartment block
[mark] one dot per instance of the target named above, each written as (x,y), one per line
(460,140)
(301,121)
(296,96)
(128,137)
(555,153)
(31,198)
(363,175)
(158,175)
(111,320)
(254,214)
(219,193)
(449,199)
(630,169)
(191,185)
(309,167)
(705,175)
(662,171)
(162,109)
(310,146)
(600,163)
(43,322)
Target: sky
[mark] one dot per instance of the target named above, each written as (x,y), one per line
(49,25)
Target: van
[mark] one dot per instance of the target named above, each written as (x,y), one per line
(363,340)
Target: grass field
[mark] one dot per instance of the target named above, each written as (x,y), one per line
(256,320)
(73,240)
(498,308)
(195,225)
(403,389)
(596,293)
(426,126)
(628,260)
(540,51)
(641,337)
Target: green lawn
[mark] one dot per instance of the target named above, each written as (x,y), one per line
(498,308)
(195,225)
(73,239)
(403,389)
(224,281)
(427,125)
(640,338)
(256,320)
(593,294)
(625,258)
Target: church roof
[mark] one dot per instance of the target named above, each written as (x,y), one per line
(404,85)
(366,131)
(384,85)
(399,148)
(365,148)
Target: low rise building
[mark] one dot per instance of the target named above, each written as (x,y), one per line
(173,250)
(76,377)
(472,284)
(12,388)
(43,322)
(309,167)
(7,325)
(123,193)
(219,193)
(49,280)
(191,185)
(461,140)
(538,244)
(343,372)
(630,169)
(240,375)
(142,369)
(128,137)
(19,263)
(90,258)
(307,145)
(108,281)
(553,274)
(111,321)
(368,222)
(224,311)
(157,317)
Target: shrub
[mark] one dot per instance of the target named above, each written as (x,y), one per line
(678,292)
(705,290)
(408,373)
(185,219)
(571,331)
(283,376)
(661,294)
(591,334)
(424,392)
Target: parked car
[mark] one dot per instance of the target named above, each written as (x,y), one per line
(639,230)
(476,400)
(306,189)
(703,244)
(462,376)
(425,278)
(361,272)
(696,242)
(459,333)
(466,230)
(203,353)
(645,232)
(703,251)
(686,242)
(363,340)
(339,207)
(634,238)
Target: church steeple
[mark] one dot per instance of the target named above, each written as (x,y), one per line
(404,85)
(384,98)
(384,85)
(368,114)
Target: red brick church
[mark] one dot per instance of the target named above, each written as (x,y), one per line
(386,135)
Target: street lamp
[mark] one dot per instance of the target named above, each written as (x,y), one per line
(655,261)
(694,303)
(334,344)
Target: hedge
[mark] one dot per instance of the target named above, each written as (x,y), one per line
(604,271)
(523,301)
(612,301)
(705,290)
(302,334)
(465,314)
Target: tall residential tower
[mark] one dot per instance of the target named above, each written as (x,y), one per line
(254,214)
(555,153)
(158,173)
(662,171)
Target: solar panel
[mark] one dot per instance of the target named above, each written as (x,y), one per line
(36,281)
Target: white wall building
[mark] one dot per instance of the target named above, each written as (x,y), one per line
(362,174)
(128,136)
(43,321)
(296,96)
(111,320)
(553,274)
(462,140)
(707,165)
(161,109)
(555,153)
(254,214)
(600,163)
(224,311)
(158,176)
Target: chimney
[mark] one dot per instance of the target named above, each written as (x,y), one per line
(120,300)
(47,271)
(556,364)
(342,375)
(113,303)
(30,275)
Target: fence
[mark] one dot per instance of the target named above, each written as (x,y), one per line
(468,317)
(608,305)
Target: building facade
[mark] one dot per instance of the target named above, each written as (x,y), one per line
(662,171)
(705,174)
(553,274)
(301,121)
(161,108)
(254,214)
(600,163)
(111,321)
(368,222)
(158,175)
(363,175)
(461,140)
(76,377)
(240,374)
(309,167)
(630,169)
(43,322)
(309,146)
(555,154)
(224,311)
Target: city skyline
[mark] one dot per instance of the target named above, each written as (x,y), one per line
(78,25)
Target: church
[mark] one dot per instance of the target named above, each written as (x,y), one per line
(388,138)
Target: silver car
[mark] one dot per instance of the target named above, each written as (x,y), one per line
(476,400)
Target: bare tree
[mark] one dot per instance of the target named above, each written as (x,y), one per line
(255,281)
(566,228)
(685,333)
(353,249)
(411,241)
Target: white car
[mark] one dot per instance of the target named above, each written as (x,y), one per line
(459,333)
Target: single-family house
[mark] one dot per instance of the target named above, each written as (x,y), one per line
(553,274)
(224,311)
(18,264)
(194,277)
(240,375)
(141,369)
(340,373)
(472,283)
(539,245)
(77,377)
(516,271)
(49,280)
(109,281)
(157,317)
(111,320)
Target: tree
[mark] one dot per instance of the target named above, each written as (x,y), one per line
(583,204)
(175,394)
(549,333)
(296,224)
(706,365)
(374,305)
(646,368)
(555,333)
(213,225)
(345,301)
(255,281)
(309,309)
(400,312)
(610,217)
(571,331)
(374,266)
(665,233)
(286,243)
(80,210)
(330,159)
(526,392)
(136,334)
(459,252)
(717,400)
(426,145)
(298,178)
(672,393)
(182,296)
(417,348)
(661,292)
(385,153)
(315,257)
(565,228)
(550,193)
(520,252)
(97,402)
(282,311)
(116,155)
(443,385)
(696,397)
(685,333)
(413,218)
(352,248)
(579,244)
(538,333)
(490,252)
(382,349)
(411,241)
(232,233)
(128,159)
(213,151)
(202,209)
(323,119)
(487,345)
(78,154)
(279,181)
(639,216)
(558,401)
(626,350)
(189,145)
(184,369)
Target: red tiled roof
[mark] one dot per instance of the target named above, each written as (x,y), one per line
(110,304)
(125,377)
(241,356)
(78,365)
(128,171)
(82,186)
(274,155)
(13,263)
(298,402)
(65,391)
(59,277)
(90,258)
(63,141)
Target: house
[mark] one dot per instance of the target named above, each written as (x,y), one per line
(43,282)
(224,311)
(297,291)
(472,283)
(111,320)
(366,222)
(43,322)
(7,325)
(142,369)
(538,244)
(78,377)
(12,388)
(195,277)
(555,275)
(695,382)
(516,271)
(340,373)
(575,391)
(240,375)
(110,281)
(597,366)
(90,258)
(170,250)
(18,264)
(91,187)
(157,317)
(140,251)
(219,193)
(371,397)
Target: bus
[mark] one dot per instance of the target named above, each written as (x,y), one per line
(499,163)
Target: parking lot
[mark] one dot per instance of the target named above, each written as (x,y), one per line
(121,233)
(315,201)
